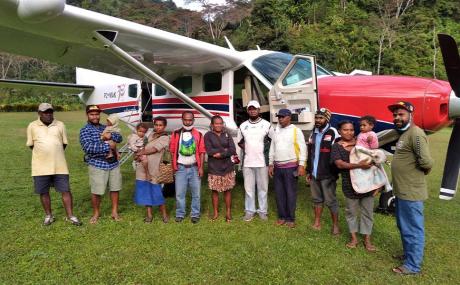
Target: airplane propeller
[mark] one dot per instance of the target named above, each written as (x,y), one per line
(451,59)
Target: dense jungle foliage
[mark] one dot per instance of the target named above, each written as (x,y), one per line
(382,36)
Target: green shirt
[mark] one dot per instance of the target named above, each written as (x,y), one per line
(410,161)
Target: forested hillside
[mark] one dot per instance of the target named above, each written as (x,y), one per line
(382,36)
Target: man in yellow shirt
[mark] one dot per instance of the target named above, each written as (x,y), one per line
(47,138)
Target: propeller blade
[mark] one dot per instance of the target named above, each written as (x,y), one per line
(452,165)
(451,59)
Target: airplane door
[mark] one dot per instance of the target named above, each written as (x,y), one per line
(146,102)
(296,90)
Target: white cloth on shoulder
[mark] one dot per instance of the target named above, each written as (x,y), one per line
(366,180)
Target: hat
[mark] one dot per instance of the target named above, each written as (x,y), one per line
(325,113)
(45,106)
(254,104)
(93,108)
(283,113)
(401,105)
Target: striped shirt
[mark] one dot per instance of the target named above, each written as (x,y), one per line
(96,149)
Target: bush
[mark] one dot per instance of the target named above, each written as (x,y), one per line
(33,107)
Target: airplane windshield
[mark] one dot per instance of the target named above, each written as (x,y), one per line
(272,65)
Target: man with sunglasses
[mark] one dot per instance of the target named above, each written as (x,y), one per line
(47,138)
(321,174)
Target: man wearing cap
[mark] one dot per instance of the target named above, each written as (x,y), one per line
(48,139)
(254,137)
(411,162)
(321,173)
(101,171)
(287,157)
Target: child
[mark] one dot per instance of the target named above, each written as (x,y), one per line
(111,127)
(366,149)
(136,143)
(367,138)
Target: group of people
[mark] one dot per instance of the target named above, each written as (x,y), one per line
(279,152)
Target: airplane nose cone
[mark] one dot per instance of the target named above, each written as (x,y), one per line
(454,106)
(33,11)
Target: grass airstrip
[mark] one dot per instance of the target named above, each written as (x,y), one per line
(131,252)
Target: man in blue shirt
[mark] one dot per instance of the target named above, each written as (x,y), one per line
(321,174)
(101,170)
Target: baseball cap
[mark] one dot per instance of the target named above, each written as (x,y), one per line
(93,108)
(401,105)
(45,106)
(283,113)
(254,104)
(325,113)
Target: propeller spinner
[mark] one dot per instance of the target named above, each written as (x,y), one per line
(451,59)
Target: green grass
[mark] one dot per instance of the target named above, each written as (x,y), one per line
(131,252)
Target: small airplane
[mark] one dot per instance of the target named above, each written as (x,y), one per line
(140,72)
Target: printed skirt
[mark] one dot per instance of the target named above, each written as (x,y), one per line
(148,194)
(221,183)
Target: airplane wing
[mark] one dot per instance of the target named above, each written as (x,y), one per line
(65,88)
(61,33)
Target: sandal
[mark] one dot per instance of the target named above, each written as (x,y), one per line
(370,247)
(402,270)
(352,245)
(228,219)
(94,220)
(147,220)
(116,218)
(165,219)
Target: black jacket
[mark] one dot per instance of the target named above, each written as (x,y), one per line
(325,168)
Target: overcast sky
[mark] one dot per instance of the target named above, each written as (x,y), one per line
(194,6)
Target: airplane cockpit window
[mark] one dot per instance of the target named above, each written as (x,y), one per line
(212,82)
(272,65)
(299,74)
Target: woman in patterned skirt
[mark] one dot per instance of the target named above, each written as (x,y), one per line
(221,172)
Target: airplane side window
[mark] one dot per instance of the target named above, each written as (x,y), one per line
(212,82)
(184,84)
(132,90)
(299,73)
(159,90)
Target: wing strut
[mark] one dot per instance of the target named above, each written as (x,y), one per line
(143,70)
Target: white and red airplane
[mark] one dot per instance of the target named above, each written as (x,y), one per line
(140,72)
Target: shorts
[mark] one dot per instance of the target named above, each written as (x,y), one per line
(98,179)
(60,182)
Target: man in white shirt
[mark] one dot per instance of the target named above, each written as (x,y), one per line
(254,137)
(287,159)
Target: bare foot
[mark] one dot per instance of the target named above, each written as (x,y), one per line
(94,220)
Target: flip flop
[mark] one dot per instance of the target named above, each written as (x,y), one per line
(370,247)
(116,218)
(402,270)
(352,245)
(93,220)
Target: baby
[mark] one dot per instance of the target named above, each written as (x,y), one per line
(111,127)
(367,138)
(136,143)
(367,145)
